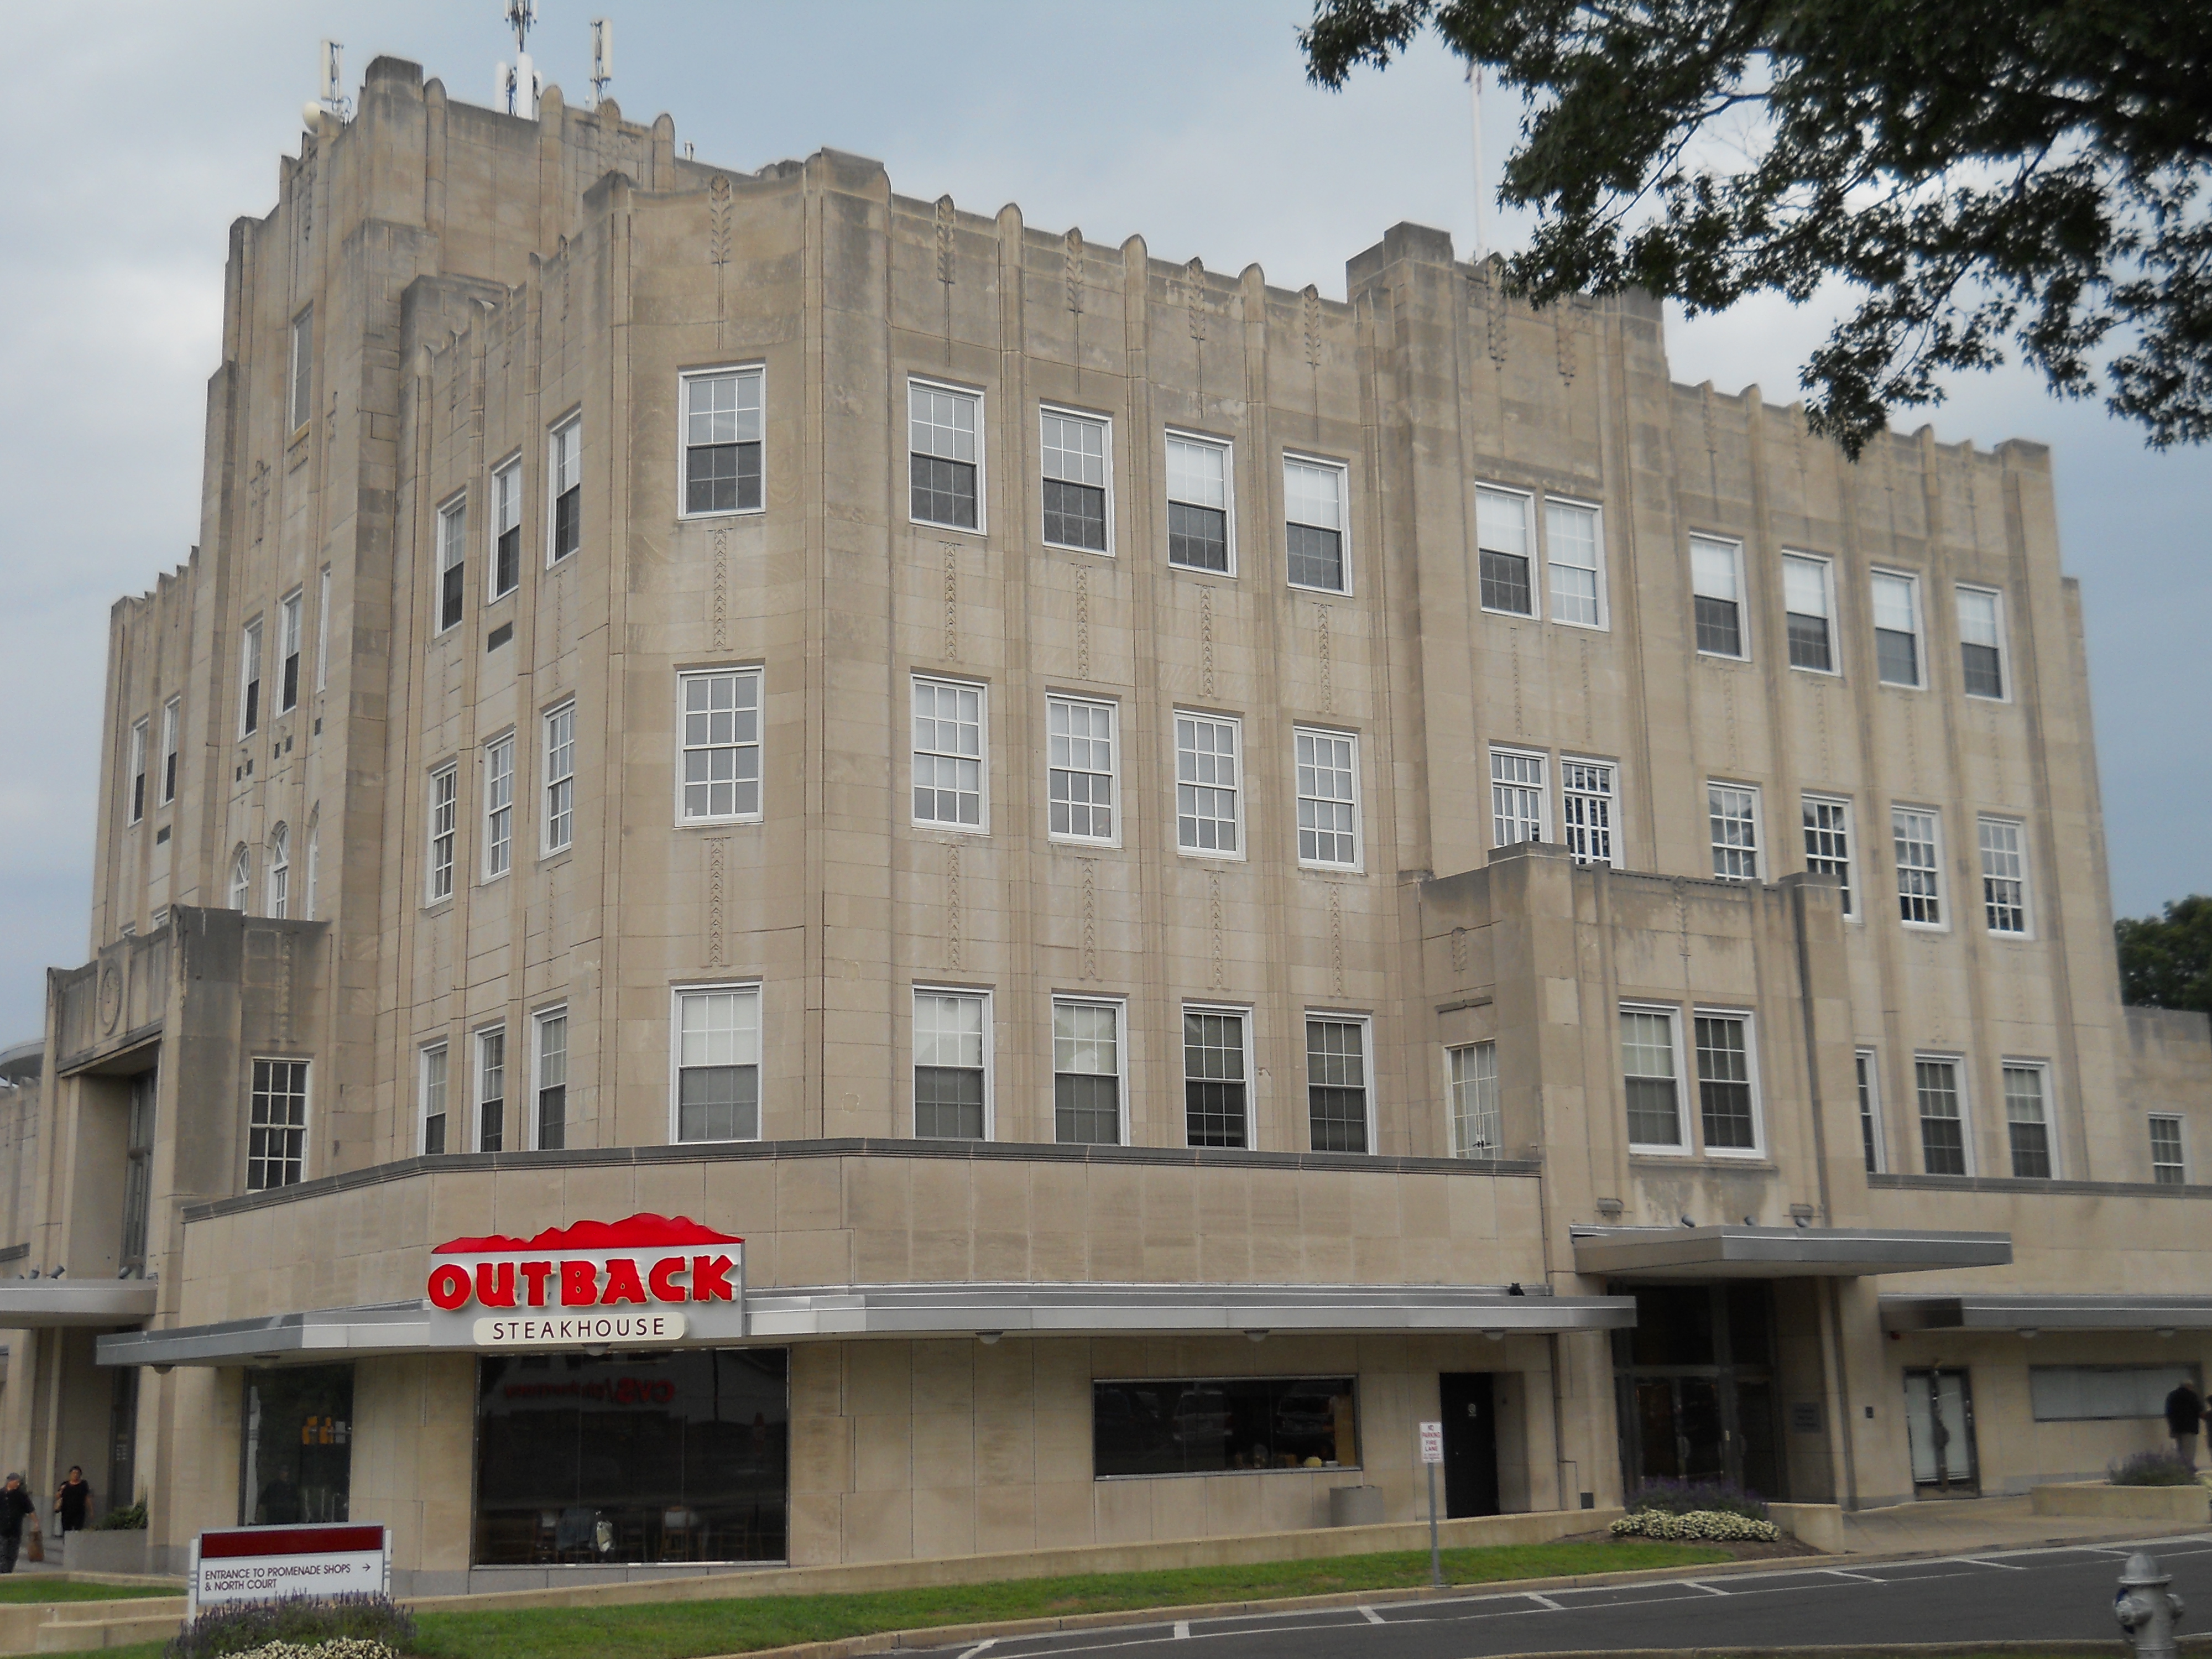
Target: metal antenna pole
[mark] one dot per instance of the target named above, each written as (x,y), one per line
(1474,88)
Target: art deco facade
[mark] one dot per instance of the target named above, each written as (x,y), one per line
(1203,874)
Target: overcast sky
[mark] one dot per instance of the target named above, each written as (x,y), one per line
(135,133)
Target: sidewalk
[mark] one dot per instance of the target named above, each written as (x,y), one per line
(1949,1527)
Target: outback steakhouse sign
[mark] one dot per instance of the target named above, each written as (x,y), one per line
(647,1279)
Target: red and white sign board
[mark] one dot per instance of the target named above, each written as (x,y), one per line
(271,1563)
(644,1281)
(1432,1443)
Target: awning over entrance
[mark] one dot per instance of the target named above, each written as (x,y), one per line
(1744,1252)
(986,1310)
(39,1304)
(2006,1310)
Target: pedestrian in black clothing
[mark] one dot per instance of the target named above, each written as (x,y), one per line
(2185,1415)
(73,1501)
(15,1508)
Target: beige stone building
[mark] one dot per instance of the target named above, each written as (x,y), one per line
(1202,874)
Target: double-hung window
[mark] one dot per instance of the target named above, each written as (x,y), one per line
(564,468)
(1809,608)
(948,753)
(1981,641)
(491,1089)
(1586,802)
(241,878)
(323,631)
(1828,842)
(718,1044)
(951,1065)
(172,721)
(1870,1093)
(1077,457)
(2169,1167)
(1505,564)
(432,1136)
(1727,1109)
(299,396)
(2027,1120)
(2004,876)
(722,441)
(280,872)
(1313,523)
(137,770)
(249,680)
(453,556)
(1717,590)
(276,1125)
(1732,810)
(1209,791)
(1336,1084)
(1216,1078)
(944,459)
(559,825)
(313,893)
(548,1127)
(1327,764)
(721,773)
(1080,771)
(1199,482)
(287,625)
(499,806)
(1576,567)
(1919,866)
(445,813)
(1652,1074)
(1942,1117)
(1896,629)
(1516,797)
(1473,1069)
(1086,1073)
(506,534)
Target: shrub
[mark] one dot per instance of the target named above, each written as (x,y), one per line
(1705,1526)
(1690,1496)
(336,1627)
(133,1519)
(2152,1468)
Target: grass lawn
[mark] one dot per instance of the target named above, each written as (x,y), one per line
(37,1587)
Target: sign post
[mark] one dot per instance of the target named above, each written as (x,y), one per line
(1432,1453)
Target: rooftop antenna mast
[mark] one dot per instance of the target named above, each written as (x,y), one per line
(603,57)
(1481,231)
(514,86)
(330,98)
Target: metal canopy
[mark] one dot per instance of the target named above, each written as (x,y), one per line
(40,1304)
(1744,1252)
(959,1309)
(2006,1310)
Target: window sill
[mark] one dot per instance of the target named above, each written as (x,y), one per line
(1201,571)
(1934,929)
(438,907)
(718,823)
(976,531)
(1510,615)
(1900,685)
(1065,547)
(1078,844)
(723,512)
(1206,857)
(1739,659)
(966,832)
(1587,627)
(1709,1159)
(1307,588)
(1313,869)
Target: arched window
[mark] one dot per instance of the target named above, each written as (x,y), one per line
(241,878)
(280,871)
(314,835)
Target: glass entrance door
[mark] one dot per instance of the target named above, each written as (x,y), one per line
(1939,1430)
(1697,1395)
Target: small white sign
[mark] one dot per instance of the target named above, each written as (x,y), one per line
(1432,1443)
(567,1330)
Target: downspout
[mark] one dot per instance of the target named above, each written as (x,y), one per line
(1843,1384)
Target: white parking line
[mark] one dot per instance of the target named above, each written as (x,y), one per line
(1864,1578)
(1708,1589)
(1370,1614)
(1983,1561)
(987,1642)
(1183,1629)
(1545,1601)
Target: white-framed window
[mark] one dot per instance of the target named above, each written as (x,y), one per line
(1651,1069)
(1082,749)
(444,803)
(1209,784)
(1340,1094)
(1574,558)
(1717,591)
(276,1125)
(1077,464)
(1217,1075)
(1471,1075)
(1869,1095)
(944,459)
(241,878)
(1517,798)
(1314,524)
(1201,519)
(1088,1072)
(499,806)
(559,825)
(280,872)
(430,1125)
(719,773)
(1590,809)
(715,1094)
(249,679)
(2027,1120)
(453,559)
(722,440)
(172,723)
(300,399)
(314,892)
(548,1118)
(2004,876)
(1917,836)
(506,534)
(491,1088)
(137,770)
(1981,641)
(952,1064)
(1505,557)
(1896,628)
(288,634)
(1327,766)
(1946,1146)
(1828,843)
(1732,810)
(1809,603)
(949,775)
(2169,1163)
(1727,1082)
(323,631)
(564,488)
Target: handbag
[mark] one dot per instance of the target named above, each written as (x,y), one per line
(34,1548)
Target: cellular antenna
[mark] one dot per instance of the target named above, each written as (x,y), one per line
(330,97)
(603,57)
(514,86)
(1474,88)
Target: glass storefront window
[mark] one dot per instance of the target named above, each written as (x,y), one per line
(1214,1425)
(632,1458)
(298,1446)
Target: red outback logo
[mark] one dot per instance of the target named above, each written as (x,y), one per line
(594,1264)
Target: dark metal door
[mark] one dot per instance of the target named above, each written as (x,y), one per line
(1467,1403)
